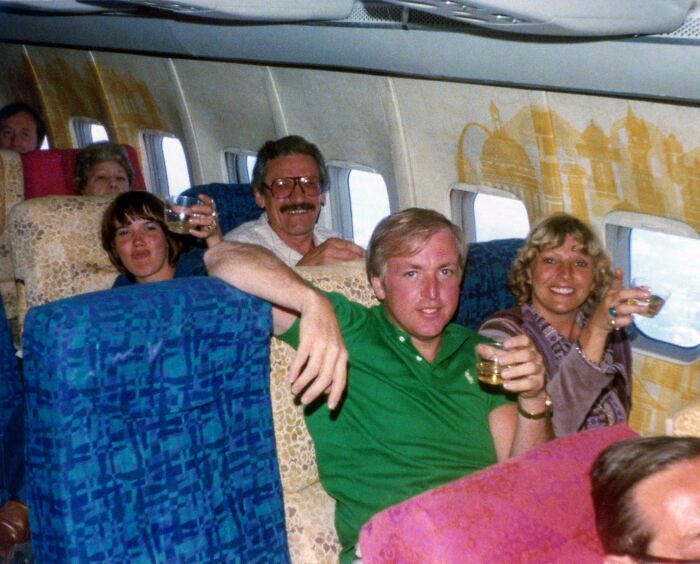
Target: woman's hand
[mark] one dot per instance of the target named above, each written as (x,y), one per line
(612,313)
(617,306)
(205,218)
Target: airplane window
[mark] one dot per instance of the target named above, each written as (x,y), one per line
(176,165)
(499,218)
(239,165)
(359,199)
(87,131)
(167,163)
(369,203)
(485,213)
(678,322)
(98,132)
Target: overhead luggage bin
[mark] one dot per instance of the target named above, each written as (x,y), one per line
(583,18)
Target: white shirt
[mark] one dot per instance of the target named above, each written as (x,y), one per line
(259,232)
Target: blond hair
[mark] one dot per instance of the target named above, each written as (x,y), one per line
(549,234)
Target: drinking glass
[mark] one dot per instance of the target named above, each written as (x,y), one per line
(178,210)
(489,370)
(659,294)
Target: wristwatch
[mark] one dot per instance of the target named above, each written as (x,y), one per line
(546,412)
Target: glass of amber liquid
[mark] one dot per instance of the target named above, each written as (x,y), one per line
(178,210)
(659,294)
(489,370)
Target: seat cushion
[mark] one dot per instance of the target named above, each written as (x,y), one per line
(150,429)
(532,508)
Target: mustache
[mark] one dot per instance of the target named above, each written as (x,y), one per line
(304,206)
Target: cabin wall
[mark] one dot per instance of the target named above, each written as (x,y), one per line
(587,155)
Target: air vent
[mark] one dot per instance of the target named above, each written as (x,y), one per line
(561,17)
(70,6)
(254,10)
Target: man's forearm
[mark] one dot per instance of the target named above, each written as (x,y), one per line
(320,364)
(257,271)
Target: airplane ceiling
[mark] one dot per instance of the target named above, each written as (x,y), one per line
(381,37)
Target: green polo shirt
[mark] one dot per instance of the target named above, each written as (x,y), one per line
(405,425)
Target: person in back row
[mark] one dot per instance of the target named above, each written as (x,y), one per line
(646,496)
(103,168)
(289,183)
(574,308)
(142,249)
(414,415)
(22,128)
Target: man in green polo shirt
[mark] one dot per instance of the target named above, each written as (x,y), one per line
(414,415)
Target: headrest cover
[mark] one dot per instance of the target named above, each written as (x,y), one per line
(52,172)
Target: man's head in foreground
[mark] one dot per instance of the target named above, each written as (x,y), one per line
(646,496)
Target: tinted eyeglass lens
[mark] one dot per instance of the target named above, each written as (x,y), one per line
(283,187)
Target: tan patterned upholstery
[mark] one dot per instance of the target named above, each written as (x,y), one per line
(11,193)
(56,249)
(686,421)
(309,511)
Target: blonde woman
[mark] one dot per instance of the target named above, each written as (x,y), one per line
(574,308)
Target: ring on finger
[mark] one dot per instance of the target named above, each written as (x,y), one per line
(613,311)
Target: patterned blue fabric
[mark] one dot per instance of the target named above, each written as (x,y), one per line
(150,435)
(485,286)
(235,203)
(11,416)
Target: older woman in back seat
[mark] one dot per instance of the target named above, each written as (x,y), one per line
(103,168)
(574,308)
(140,246)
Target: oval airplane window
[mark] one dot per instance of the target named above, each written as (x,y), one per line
(239,165)
(87,131)
(167,163)
(665,261)
(358,199)
(369,202)
(497,217)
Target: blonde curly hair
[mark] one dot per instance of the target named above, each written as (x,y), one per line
(549,234)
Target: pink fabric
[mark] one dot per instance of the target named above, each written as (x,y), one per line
(52,172)
(533,508)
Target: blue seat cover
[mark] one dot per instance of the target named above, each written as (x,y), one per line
(235,203)
(150,435)
(485,286)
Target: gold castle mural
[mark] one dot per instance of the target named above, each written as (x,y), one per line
(552,166)
(631,165)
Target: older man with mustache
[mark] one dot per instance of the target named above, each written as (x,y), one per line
(289,182)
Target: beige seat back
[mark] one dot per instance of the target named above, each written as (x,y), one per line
(11,193)
(56,249)
(309,511)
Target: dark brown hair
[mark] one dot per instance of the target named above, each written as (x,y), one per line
(616,472)
(128,207)
(290,145)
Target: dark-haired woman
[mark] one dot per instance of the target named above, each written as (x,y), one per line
(140,246)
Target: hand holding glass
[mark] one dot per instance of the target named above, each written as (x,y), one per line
(659,294)
(489,370)
(178,210)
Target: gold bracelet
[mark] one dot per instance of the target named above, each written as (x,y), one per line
(546,412)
